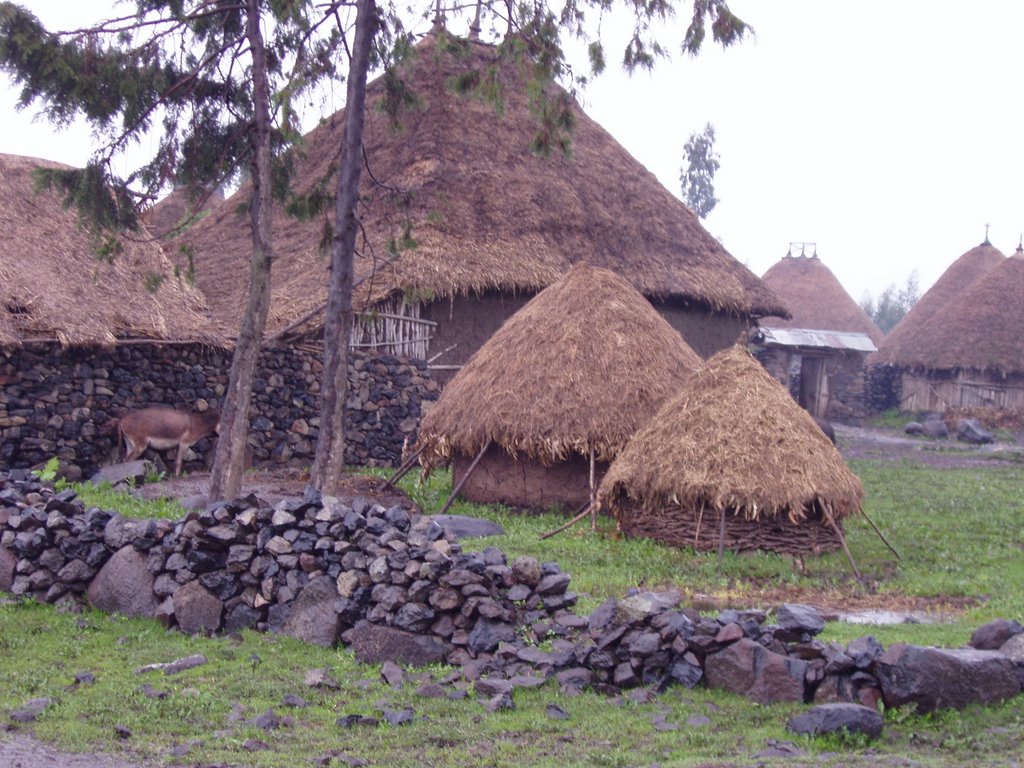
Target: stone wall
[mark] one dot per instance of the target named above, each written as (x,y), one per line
(882,391)
(846,375)
(397,587)
(61,403)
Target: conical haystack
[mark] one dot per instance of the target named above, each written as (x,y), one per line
(732,442)
(574,372)
(816,299)
(53,285)
(902,345)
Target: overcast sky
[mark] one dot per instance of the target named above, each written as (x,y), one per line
(888,133)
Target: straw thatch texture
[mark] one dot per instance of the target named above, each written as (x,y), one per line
(816,299)
(732,440)
(903,344)
(980,329)
(485,212)
(180,209)
(53,286)
(580,367)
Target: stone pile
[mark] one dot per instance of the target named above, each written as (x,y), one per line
(56,402)
(397,586)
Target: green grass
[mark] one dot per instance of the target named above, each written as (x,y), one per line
(960,534)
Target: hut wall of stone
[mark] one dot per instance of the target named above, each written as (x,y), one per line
(939,390)
(845,371)
(60,403)
(522,482)
(701,531)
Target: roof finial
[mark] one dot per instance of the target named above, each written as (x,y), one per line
(986,236)
(1020,244)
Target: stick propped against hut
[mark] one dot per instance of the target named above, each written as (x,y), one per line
(556,393)
(732,447)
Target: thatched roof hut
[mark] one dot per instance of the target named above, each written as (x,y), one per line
(53,285)
(732,442)
(472,210)
(903,343)
(574,372)
(816,299)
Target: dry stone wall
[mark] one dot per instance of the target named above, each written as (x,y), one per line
(398,587)
(60,403)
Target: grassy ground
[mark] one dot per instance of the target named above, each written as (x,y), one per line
(960,533)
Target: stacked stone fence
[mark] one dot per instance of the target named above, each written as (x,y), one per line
(398,587)
(61,402)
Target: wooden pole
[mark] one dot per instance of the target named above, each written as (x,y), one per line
(404,469)
(593,494)
(721,542)
(465,477)
(583,512)
(842,539)
(881,535)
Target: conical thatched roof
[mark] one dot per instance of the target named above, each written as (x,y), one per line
(485,211)
(53,286)
(903,343)
(816,299)
(731,440)
(982,328)
(581,366)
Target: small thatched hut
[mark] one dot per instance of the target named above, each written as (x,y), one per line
(55,287)
(556,393)
(464,222)
(915,347)
(971,351)
(820,352)
(732,458)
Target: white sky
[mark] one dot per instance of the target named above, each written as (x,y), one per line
(888,133)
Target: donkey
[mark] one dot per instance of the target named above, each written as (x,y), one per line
(163,428)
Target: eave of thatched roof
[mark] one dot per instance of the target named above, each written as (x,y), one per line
(903,343)
(580,367)
(53,286)
(732,439)
(980,329)
(486,213)
(816,299)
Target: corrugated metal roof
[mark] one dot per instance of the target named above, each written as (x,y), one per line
(808,337)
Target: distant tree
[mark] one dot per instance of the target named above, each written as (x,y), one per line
(698,175)
(892,304)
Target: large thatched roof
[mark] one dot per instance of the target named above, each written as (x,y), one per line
(179,209)
(903,344)
(981,329)
(485,211)
(53,286)
(731,440)
(816,299)
(580,367)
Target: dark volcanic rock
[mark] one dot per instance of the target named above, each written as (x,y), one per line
(196,609)
(375,644)
(124,585)
(836,718)
(748,668)
(314,615)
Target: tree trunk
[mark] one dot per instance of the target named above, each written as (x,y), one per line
(229,459)
(329,462)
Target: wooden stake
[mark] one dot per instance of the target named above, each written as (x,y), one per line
(842,540)
(584,511)
(465,477)
(881,535)
(404,469)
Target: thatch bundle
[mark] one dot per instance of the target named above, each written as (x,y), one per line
(53,285)
(965,320)
(816,299)
(732,442)
(470,208)
(578,368)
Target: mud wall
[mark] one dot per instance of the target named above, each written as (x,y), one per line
(56,402)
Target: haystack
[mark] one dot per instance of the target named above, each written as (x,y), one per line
(732,459)
(563,384)
(476,221)
(55,287)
